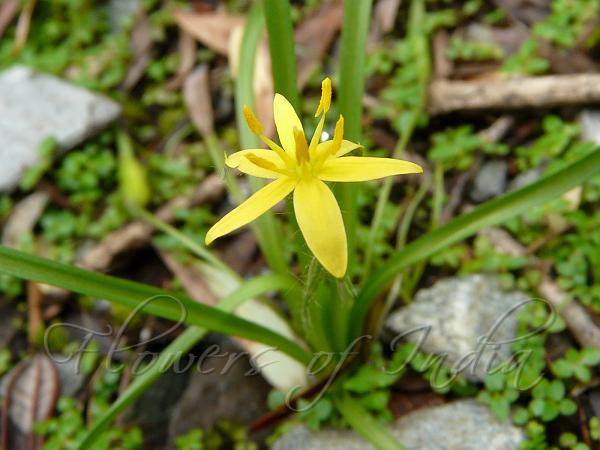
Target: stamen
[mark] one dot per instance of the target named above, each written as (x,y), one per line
(261,162)
(325,102)
(301,146)
(252,121)
(277,149)
(338,136)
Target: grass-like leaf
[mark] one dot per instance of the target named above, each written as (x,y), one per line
(155,301)
(365,424)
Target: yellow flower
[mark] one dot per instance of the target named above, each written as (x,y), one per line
(303,167)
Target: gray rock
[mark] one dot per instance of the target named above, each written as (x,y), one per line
(525,178)
(490,181)
(590,125)
(223,386)
(152,411)
(464,320)
(72,379)
(460,425)
(35,106)
(120,11)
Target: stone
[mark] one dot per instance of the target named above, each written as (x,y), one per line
(525,178)
(590,125)
(120,12)
(459,425)
(461,319)
(223,385)
(35,106)
(490,181)
(72,379)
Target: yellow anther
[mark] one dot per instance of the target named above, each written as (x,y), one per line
(252,121)
(301,146)
(263,163)
(325,102)
(338,136)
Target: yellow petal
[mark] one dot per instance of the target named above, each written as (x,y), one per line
(285,121)
(347,147)
(257,204)
(359,168)
(322,226)
(257,162)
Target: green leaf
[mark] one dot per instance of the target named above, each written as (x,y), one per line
(281,46)
(562,368)
(353,51)
(568,407)
(365,424)
(151,300)
(590,356)
(490,213)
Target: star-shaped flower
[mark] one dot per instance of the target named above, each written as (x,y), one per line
(301,167)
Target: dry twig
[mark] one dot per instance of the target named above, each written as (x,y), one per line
(530,92)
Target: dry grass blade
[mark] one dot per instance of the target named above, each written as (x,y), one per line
(32,390)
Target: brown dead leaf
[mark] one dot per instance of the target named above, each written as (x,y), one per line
(32,390)
(8,11)
(187,59)
(314,36)
(23,218)
(191,278)
(23,25)
(198,100)
(211,29)
(384,18)
(141,44)
(263,79)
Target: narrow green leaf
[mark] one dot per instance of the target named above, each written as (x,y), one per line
(355,30)
(490,213)
(154,300)
(281,45)
(366,425)
(268,231)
